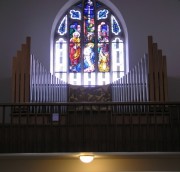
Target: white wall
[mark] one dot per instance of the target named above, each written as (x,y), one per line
(159,18)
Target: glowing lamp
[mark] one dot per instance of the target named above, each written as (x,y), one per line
(86,158)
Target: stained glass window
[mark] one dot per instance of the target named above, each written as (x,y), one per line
(102,14)
(89,45)
(63,26)
(75,14)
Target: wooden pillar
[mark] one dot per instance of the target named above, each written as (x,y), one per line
(21,74)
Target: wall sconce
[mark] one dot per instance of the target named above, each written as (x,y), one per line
(86,158)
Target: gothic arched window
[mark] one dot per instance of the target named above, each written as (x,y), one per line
(89,45)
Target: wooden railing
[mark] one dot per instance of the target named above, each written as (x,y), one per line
(84,127)
(147,81)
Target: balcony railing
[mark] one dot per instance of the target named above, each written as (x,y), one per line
(82,127)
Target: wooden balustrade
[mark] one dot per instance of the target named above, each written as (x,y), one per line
(137,127)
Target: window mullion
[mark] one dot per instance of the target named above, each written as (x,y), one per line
(82,44)
(96,45)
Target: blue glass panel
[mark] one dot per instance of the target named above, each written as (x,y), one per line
(89,9)
(79,5)
(102,14)
(75,14)
(63,26)
(115,26)
(89,21)
(98,5)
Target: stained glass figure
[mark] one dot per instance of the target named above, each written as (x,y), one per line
(103,32)
(75,14)
(75,47)
(102,14)
(103,54)
(62,30)
(115,26)
(80,5)
(103,47)
(89,57)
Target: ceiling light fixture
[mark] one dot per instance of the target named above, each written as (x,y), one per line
(86,158)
